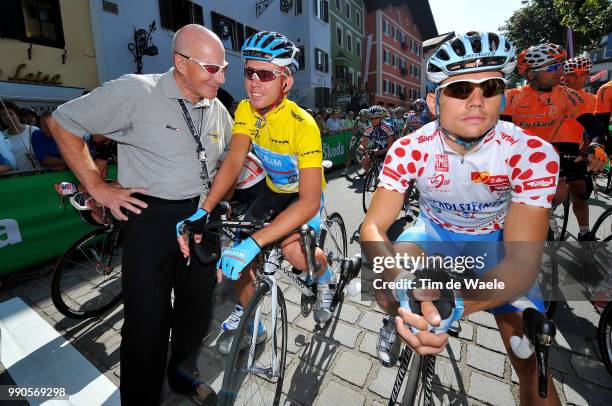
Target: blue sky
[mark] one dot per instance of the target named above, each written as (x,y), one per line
(467,15)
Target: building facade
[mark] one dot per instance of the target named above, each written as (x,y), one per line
(602,63)
(47,49)
(394,34)
(304,22)
(346,20)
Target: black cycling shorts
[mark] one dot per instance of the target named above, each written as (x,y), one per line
(569,169)
(269,204)
(249,195)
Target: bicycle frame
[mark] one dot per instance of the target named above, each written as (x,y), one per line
(272,261)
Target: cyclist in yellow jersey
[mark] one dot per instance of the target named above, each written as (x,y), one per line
(287,141)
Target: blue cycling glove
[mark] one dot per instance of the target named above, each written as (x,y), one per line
(234,260)
(449,304)
(198,218)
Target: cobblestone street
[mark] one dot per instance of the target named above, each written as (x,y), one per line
(338,365)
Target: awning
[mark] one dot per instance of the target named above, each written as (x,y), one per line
(39,98)
(43,93)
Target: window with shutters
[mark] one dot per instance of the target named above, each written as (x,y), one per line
(358,18)
(339,35)
(321,9)
(302,58)
(176,13)
(349,42)
(298,7)
(358,47)
(34,21)
(322,60)
(229,31)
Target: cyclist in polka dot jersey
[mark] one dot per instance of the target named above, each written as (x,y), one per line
(486,188)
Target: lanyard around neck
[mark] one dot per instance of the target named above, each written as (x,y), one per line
(201,152)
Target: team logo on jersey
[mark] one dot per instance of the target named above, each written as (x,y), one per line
(214,135)
(424,138)
(438,182)
(478,177)
(441,163)
(496,183)
(509,138)
(260,123)
(391,173)
(540,183)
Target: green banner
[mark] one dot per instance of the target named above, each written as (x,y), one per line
(34,227)
(335,147)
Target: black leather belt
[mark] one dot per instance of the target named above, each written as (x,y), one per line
(159,200)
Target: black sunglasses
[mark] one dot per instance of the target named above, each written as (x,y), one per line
(462,89)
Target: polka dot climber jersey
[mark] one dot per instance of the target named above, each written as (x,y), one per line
(471,194)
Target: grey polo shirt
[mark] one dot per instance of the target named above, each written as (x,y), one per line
(156,151)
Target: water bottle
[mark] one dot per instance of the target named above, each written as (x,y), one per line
(305,277)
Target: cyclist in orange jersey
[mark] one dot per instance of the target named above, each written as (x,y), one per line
(570,135)
(542,106)
(603,108)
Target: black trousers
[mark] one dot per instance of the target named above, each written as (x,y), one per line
(152,266)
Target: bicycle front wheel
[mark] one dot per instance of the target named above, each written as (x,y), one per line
(369,187)
(604,336)
(420,376)
(255,376)
(602,229)
(333,240)
(87,278)
(558,221)
(358,158)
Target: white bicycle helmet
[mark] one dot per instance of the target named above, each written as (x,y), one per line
(471,52)
(579,64)
(539,55)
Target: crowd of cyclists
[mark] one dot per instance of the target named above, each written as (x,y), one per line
(508,157)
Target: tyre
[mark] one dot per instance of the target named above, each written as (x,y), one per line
(558,221)
(358,158)
(369,187)
(420,376)
(604,336)
(550,287)
(87,278)
(602,229)
(411,204)
(333,240)
(258,384)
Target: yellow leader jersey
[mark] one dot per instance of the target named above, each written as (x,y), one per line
(285,139)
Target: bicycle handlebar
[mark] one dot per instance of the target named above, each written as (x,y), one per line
(538,335)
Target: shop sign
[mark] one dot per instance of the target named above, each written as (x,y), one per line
(21,75)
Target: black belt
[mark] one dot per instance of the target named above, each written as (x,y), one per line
(159,200)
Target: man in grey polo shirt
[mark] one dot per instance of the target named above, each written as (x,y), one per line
(160,173)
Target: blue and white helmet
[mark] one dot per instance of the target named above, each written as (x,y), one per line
(471,52)
(271,47)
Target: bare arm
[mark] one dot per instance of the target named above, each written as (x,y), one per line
(77,156)
(226,177)
(298,213)
(525,230)
(382,213)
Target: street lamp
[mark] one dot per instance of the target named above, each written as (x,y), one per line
(142,45)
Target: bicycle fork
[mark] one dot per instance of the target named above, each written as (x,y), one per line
(270,266)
